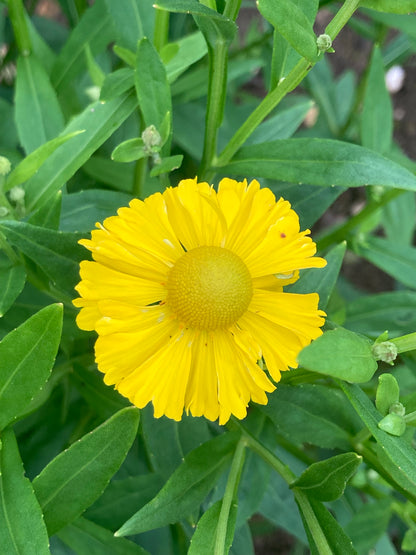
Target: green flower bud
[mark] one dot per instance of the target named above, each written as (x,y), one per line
(3,211)
(324,43)
(17,195)
(393,424)
(385,351)
(151,138)
(397,408)
(5,165)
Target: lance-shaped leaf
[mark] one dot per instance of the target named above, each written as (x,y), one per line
(22,529)
(99,120)
(87,538)
(292,23)
(323,162)
(38,115)
(30,165)
(390,6)
(132,19)
(326,480)
(27,355)
(340,353)
(186,488)
(74,479)
(57,253)
(203,540)
(12,280)
(152,87)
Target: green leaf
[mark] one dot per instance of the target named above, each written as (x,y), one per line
(340,353)
(203,539)
(117,83)
(377,115)
(87,538)
(95,29)
(49,214)
(326,480)
(395,259)
(312,414)
(321,280)
(293,24)
(118,175)
(161,438)
(12,280)
(167,165)
(308,201)
(214,26)
(22,529)
(323,162)
(369,523)
(27,355)
(396,456)
(74,479)
(81,211)
(390,6)
(57,253)
(31,164)
(129,151)
(152,87)
(38,115)
(99,120)
(189,50)
(399,218)
(122,498)
(373,314)
(282,125)
(186,488)
(132,19)
(324,533)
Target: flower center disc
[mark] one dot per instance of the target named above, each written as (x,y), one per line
(209,288)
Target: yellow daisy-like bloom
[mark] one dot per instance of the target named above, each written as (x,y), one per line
(186,294)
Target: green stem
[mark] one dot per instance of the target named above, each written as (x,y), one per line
(405,342)
(229,498)
(313,523)
(232,7)
(339,234)
(341,18)
(218,57)
(21,32)
(161,32)
(140,172)
(410,417)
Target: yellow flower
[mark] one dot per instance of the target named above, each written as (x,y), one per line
(186,295)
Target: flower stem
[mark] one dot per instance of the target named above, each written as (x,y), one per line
(232,7)
(140,172)
(229,497)
(21,31)
(341,18)
(405,342)
(161,32)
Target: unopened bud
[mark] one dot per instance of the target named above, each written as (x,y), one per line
(151,138)
(397,408)
(17,195)
(393,424)
(5,165)
(385,351)
(324,43)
